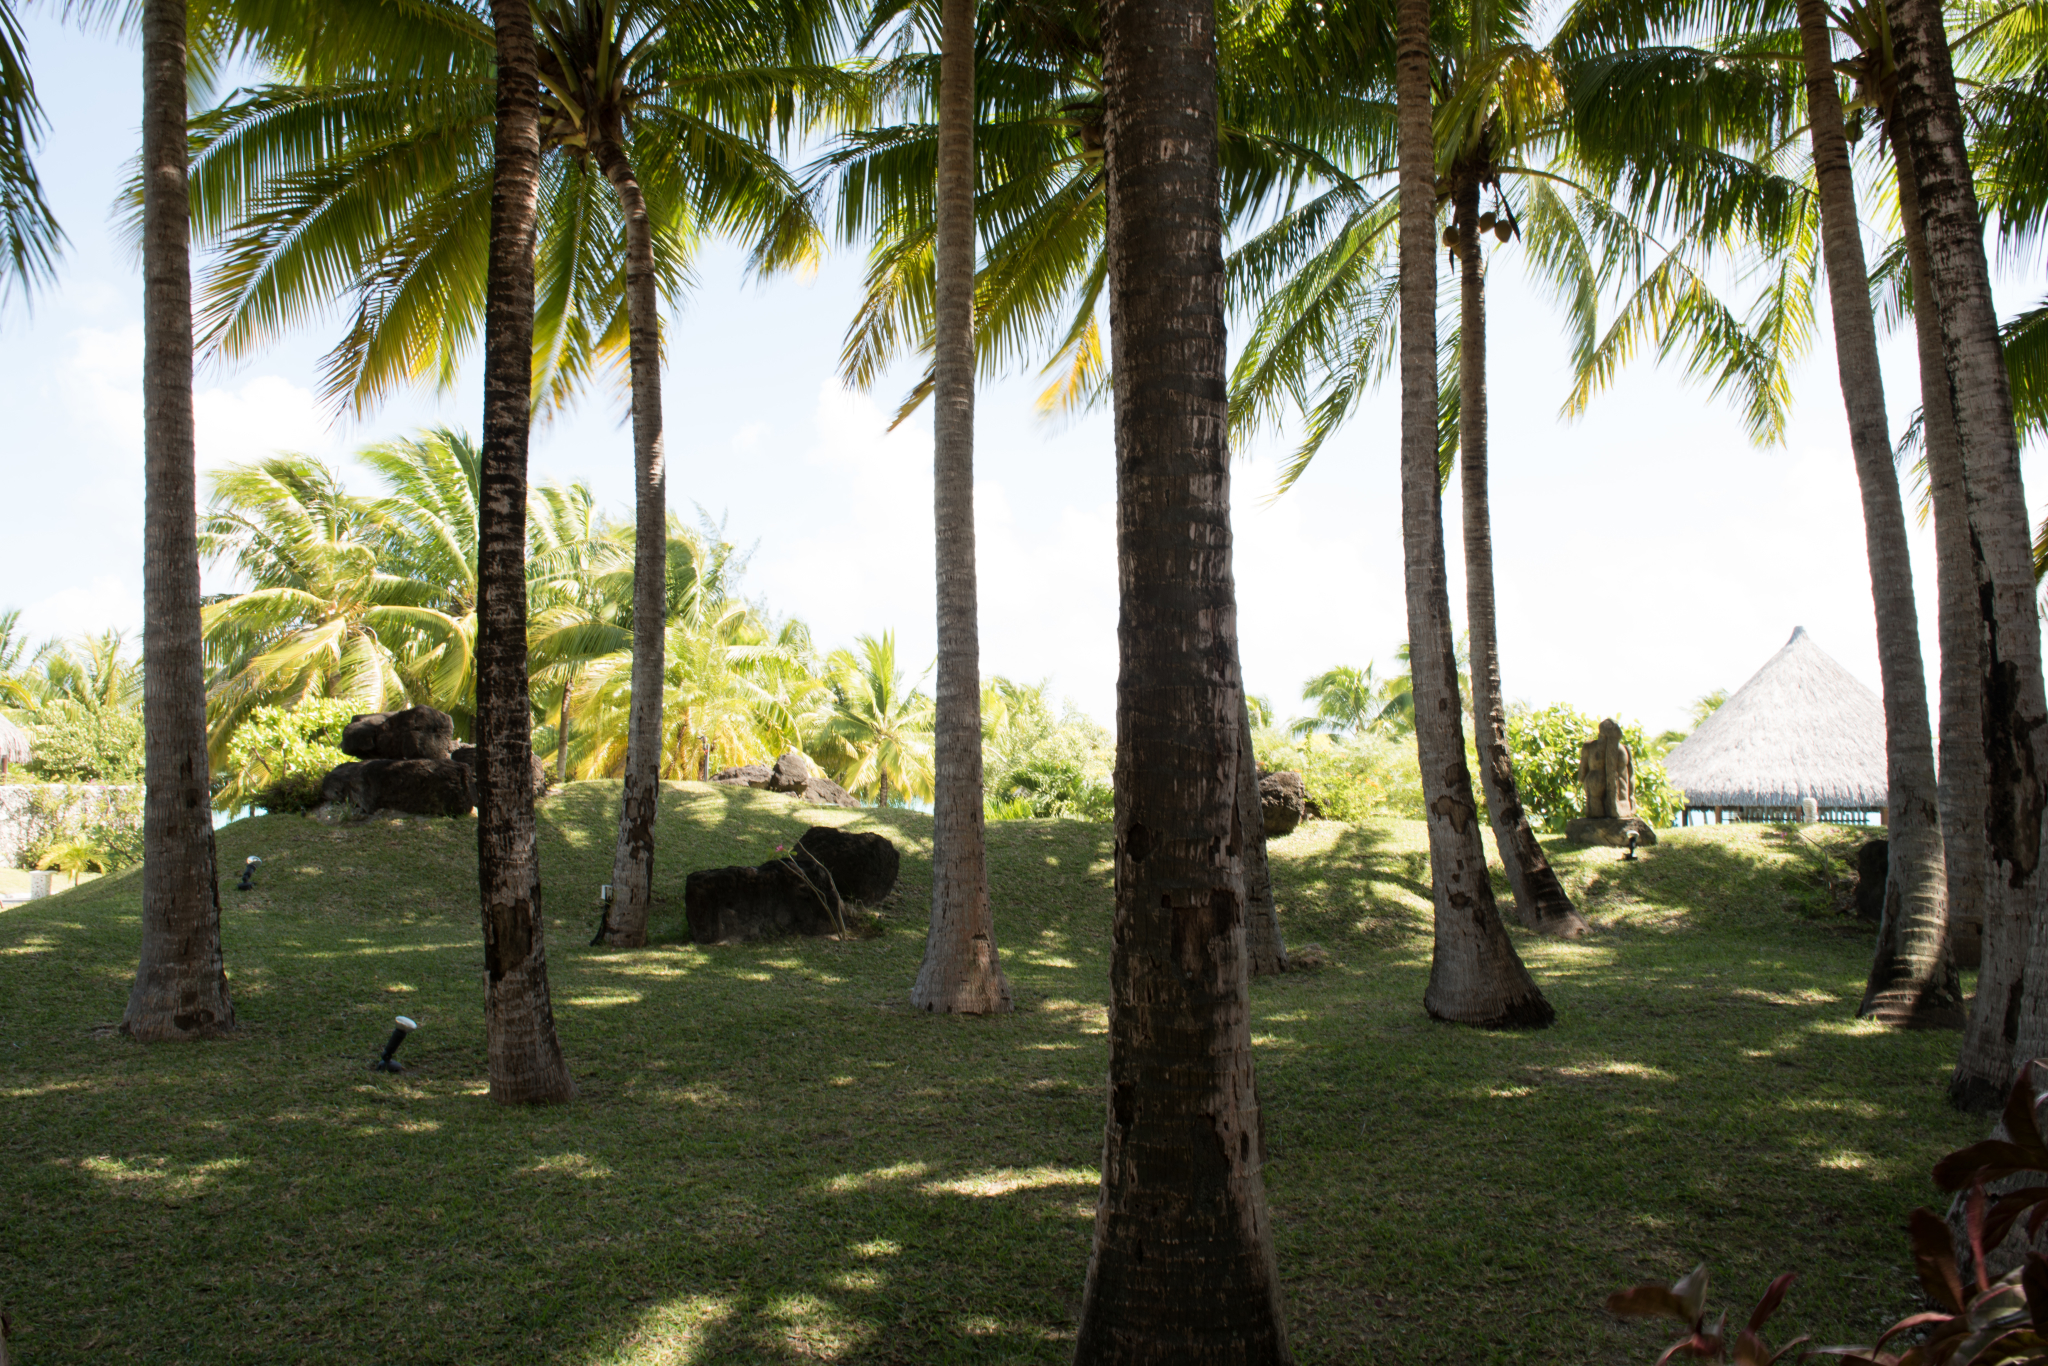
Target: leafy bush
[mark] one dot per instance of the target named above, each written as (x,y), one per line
(1353,779)
(1039,765)
(283,753)
(1050,786)
(74,743)
(108,820)
(1545,744)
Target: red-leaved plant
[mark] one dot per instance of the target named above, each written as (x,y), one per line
(1979,1323)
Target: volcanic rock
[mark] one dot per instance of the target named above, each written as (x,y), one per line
(415,733)
(1283,799)
(863,866)
(422,787)
(731,905)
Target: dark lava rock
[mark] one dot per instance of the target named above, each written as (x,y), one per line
(415,733)
(795,774)
(1284,800)
(1873,865)
(745,775)
(863,866)
(421,787)
(731,905)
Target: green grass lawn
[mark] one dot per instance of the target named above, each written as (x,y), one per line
(773,1158)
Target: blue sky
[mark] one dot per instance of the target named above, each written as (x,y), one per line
(1645,554)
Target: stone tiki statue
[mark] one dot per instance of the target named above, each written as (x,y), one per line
(1607,772)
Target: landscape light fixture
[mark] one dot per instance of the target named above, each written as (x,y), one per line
(385,1063)
(248,882)
(604,919)
(1630,856)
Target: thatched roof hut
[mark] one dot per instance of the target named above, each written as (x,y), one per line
(14,747)
(1802,727)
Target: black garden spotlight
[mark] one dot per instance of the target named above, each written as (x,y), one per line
(386,1063)
(248,882)
(1630,856)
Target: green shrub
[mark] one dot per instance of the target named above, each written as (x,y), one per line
(1051,786)
(79,744)
(284,752)
(109,820)
(1354,779)
(1545,743)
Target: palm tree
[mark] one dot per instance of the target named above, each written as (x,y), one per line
(181,989)
(525,1059)
(1348,700)
(1183,1264)
(879,729)
(1912,978)
(1475,975)
(577,613)
(1958,285)
(29,235)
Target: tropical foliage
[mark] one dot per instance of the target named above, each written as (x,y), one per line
(1546,745)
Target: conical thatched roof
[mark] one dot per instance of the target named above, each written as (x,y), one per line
(1802,727)
(13,742)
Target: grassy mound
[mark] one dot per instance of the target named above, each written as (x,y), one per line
(773,1158)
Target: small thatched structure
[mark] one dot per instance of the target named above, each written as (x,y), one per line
(1802,727)
(14,748)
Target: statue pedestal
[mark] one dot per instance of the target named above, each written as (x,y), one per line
(1612,830)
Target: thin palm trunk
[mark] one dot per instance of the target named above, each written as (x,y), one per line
(1540,898)
(562,731)
(1265,950)
(1912,976)
(1475,976)
(633,860)
(961,971)
(1973,365)
(1183,1268)
(525,1059)
(1987,925)
(181,987)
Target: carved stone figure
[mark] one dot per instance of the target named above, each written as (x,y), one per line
(1607,773)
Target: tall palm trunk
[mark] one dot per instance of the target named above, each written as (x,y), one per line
(1912,975)
(1539,897)
(525,1059)
(1475,976)
(562,731)
(2015,708)
(1265,950)
(633,860)
(181,987)
(961,971)
(1987,923)
(1183,1268)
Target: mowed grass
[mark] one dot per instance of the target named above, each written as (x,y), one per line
(773,1158)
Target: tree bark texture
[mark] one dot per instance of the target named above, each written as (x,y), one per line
(961,972)
(1977,902)
(562,732)
(1183,1269)
(1475,975)
(1266,951)
(1540,899)
(633,860)
(1973,365)
(525,1059)
(1912,976)
(181,985)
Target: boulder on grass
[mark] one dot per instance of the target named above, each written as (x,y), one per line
(415,733)
(744,775)
(863,866)
(732,905)
(795,774)
(420,787)
(1283,798)
(1873,866)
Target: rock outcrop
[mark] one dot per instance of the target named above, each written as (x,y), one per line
(1283,799)
(745,775)
(541,780)
(863,866)
(420,787)
(795,774)
(732,905)
(415,733)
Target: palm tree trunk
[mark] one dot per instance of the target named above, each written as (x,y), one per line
(1987,924)
(1475,976)
(1540,898)
(961,971)
(883,798)
(2016,710)
(633,861)
(1265,950)
(525,1058)
(562,731)
(181,987)
(1183,1268)
(1912,976)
